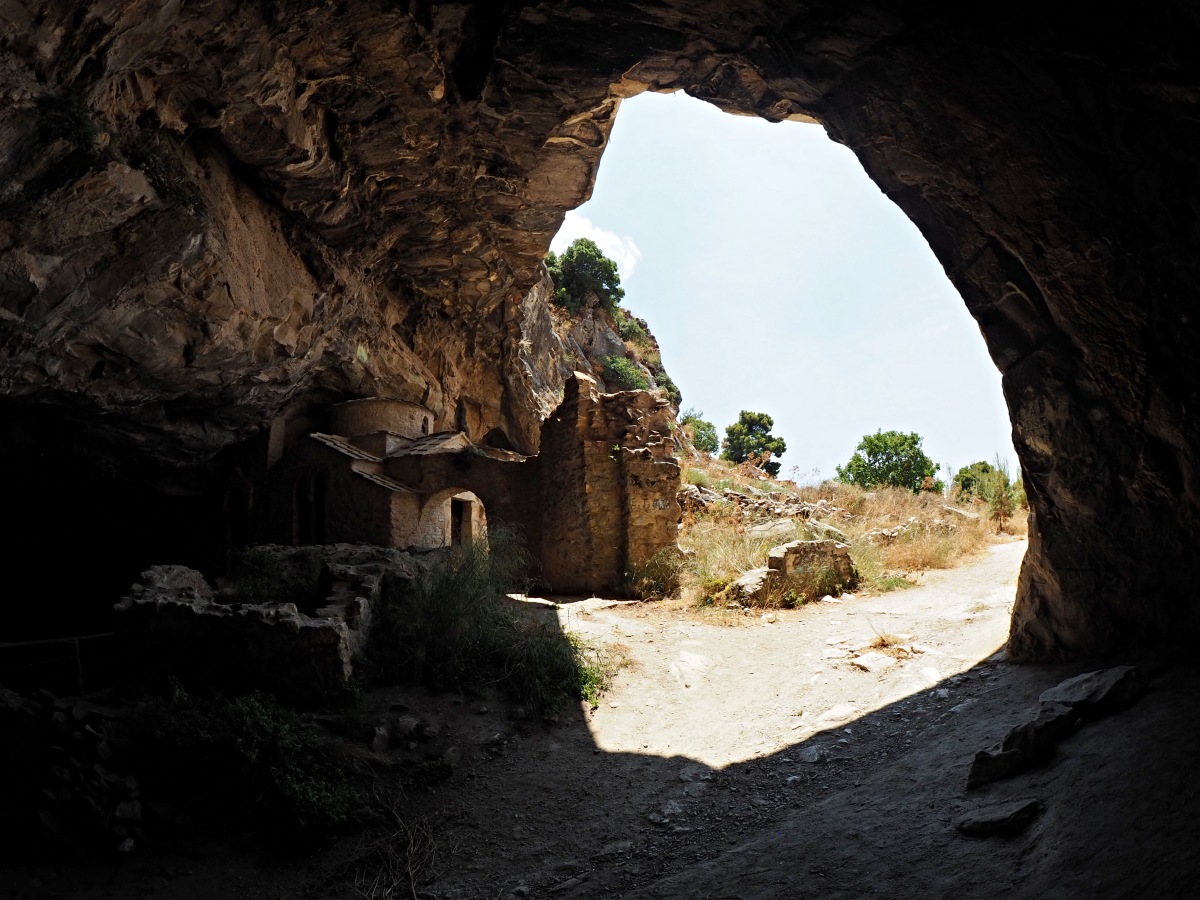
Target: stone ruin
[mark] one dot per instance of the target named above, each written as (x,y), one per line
(246,633)
(596,504)
(800,565)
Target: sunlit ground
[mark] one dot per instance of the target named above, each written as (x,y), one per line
(721,694)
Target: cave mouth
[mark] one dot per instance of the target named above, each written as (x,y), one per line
(777,277)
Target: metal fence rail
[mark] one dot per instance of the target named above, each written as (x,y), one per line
(73,639)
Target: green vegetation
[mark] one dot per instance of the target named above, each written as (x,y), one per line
(454,628)
(668,387)
(629,328)
(242,762)
(584,271)
(890,531)
(750,439)
(583,275)
(989,483)
(622,375)
(703,434)
(891,458)
(974,480)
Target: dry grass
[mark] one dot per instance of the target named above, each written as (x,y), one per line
(892,533)
(886,639)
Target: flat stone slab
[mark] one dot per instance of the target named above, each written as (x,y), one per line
(994,765)
(873,662)
(774,529)
(1005,819)
(839,713)
(1099,693)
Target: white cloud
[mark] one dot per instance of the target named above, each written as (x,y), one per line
(621,250)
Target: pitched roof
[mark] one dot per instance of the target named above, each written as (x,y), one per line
(342,445)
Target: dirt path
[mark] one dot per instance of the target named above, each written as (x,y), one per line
(759,762)
(770,685)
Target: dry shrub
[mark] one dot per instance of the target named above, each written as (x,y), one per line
(1018,524)
(724,549)
(926,536)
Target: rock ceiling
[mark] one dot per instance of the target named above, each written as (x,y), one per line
(213,214)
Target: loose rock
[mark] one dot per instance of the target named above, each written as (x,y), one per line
(1005,819)
(873,662)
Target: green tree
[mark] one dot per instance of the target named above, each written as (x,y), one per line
(750,436)
(888,457)
(581,271)
(704,434)
(974,479)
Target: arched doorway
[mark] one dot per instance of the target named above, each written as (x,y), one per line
(452,518)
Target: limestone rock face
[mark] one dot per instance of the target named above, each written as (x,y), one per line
(214,215)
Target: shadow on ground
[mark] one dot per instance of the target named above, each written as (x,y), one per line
(862,810)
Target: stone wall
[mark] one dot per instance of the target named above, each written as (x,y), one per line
(608,487)
(355,510)
(599,499)
(370,415)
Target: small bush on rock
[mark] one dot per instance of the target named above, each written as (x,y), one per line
(622,375)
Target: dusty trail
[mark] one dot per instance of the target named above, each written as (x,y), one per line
(759,762)
(721,695)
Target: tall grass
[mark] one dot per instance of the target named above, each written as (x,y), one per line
(454,628)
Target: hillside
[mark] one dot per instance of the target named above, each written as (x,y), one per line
(617,349)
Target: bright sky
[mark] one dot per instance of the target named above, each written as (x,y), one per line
(778,278)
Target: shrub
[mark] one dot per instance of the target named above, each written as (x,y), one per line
(629,328)
(658,577)
(454,628)
(245,761)
(989,482)
(668,387)
(888,457)
(622,375)
(703,434)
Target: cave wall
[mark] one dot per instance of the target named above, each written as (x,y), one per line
(217,214)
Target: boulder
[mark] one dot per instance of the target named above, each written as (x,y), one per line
(829,561)
(1003,819)
(750,589)
(873,662)
(776,528)
(1096,694)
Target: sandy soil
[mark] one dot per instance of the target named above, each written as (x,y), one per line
(756,760)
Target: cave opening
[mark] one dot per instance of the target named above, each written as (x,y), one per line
(777,277)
